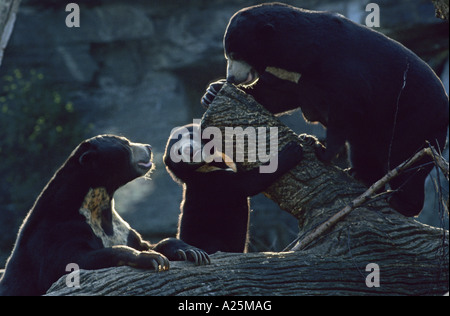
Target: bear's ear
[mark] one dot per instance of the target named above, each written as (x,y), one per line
(87,158)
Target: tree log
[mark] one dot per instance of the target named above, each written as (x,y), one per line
(289,273)
(412,258)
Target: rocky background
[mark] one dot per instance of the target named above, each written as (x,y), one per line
(138,69)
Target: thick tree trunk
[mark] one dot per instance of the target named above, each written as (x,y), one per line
(412,258)
(291,273)
(8,11)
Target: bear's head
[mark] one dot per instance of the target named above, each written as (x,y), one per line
(185,145)
(262,36)
(111,161)
(186,150)
(246,40)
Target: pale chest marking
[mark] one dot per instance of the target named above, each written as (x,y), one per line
(284,74)
(98,209)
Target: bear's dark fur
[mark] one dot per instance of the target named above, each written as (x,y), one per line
(365,88)
(74,221)
(215,207)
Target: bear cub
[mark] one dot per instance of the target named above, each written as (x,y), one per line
(74,221)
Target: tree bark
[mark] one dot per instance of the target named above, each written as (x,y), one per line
(412,257)
(8,11)
(290,273)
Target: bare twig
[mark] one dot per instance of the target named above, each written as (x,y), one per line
(321,229)
(440,161)
(405,76)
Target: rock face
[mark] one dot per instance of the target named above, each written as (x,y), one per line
(139,68)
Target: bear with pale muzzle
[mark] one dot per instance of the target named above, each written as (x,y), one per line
(368,90)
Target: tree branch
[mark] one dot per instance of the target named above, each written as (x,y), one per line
(380,184)
(291,273)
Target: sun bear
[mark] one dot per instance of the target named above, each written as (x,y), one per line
(215,208)
(74,221)
(368,90)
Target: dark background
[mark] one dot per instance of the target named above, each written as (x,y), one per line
(138,69)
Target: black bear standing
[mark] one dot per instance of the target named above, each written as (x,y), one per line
(74,221)
(365,88)
(215,207)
